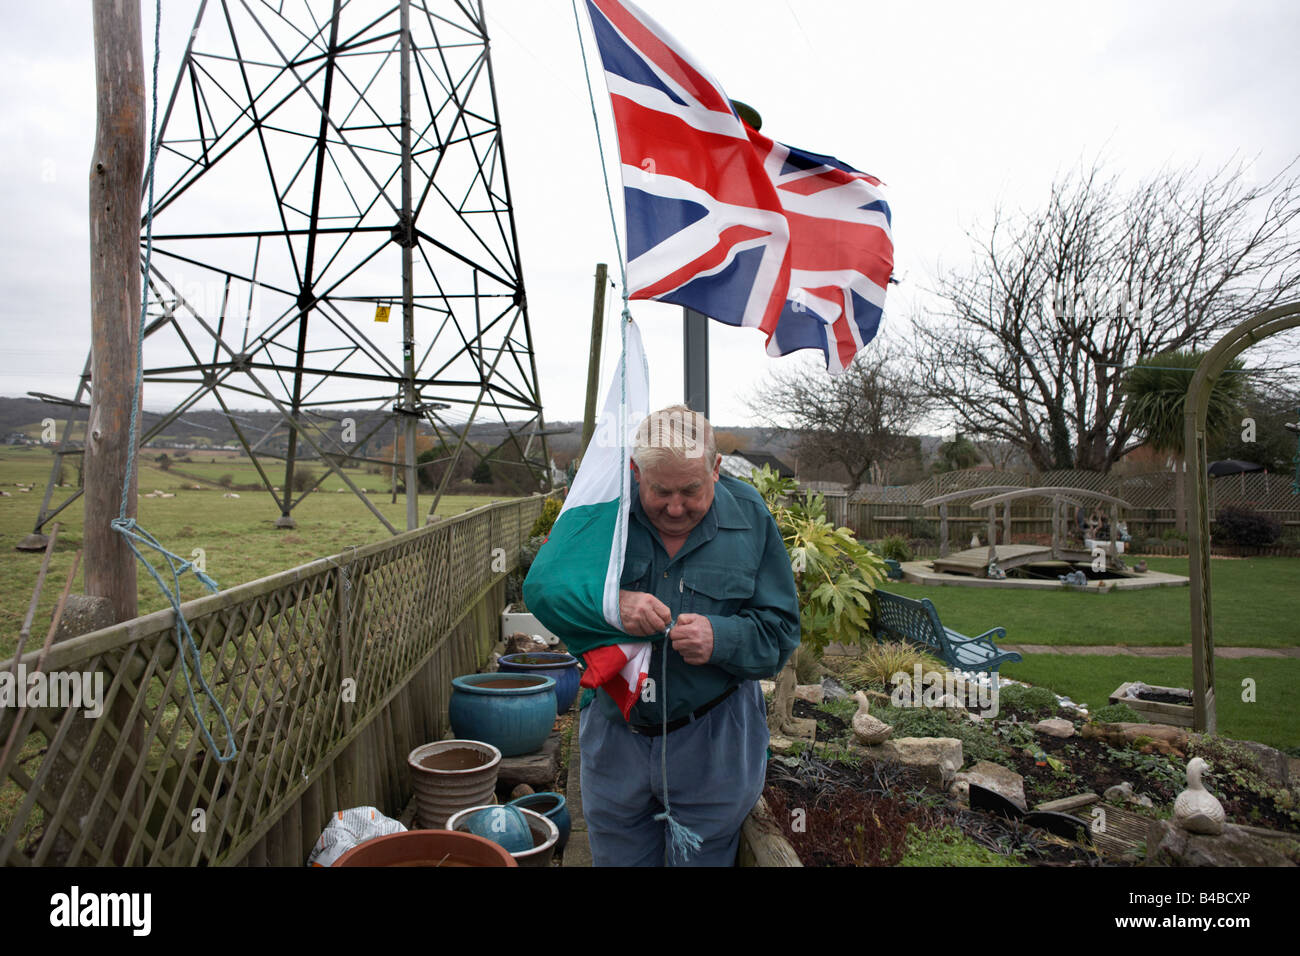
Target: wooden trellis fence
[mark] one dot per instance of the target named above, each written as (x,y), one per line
(330,673)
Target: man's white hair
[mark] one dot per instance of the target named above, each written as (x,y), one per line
(674,432)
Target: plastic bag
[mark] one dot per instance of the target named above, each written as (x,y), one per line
(349,828)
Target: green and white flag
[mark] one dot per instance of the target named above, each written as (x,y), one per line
(572,586)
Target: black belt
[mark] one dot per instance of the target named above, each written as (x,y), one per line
(654,730)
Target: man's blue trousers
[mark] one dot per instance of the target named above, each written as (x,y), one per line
(716,771)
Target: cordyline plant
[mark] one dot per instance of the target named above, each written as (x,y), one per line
(834,577)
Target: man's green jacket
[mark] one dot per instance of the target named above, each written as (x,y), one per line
(735,570)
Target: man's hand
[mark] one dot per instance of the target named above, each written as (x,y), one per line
(692,637)
(643,614)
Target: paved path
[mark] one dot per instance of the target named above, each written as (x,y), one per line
(578,850)
(1111,650)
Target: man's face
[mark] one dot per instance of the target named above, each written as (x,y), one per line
(677,493)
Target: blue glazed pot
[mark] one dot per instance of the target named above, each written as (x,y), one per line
(552,806)
(562,668)
(505,826)
(512,712)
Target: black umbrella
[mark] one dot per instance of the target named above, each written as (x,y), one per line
(1231,466)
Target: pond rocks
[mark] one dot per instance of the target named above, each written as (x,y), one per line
(867,729)
(1170,845)
(1196,810)
(991,776)
(936,757)
(810,693)
(1055,727)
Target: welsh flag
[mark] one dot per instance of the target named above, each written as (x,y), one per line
(572,586)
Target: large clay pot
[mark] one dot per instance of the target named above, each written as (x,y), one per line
(512,712)
(546,835)
(552,806)
(562,668)
(427,848)
(450,775)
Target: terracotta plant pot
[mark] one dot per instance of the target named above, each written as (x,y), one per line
(427,848)
(450,775)
(545,835)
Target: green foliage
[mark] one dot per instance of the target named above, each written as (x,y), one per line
(1027,700)
(844,708)
(1116,714)
(482,474)
(546,520)
(956,455)
(806,668)
(880,662)
(303,478)
(1173,534)
(1246,526)
(948,846)
(1155,391)
(922,530)
(895,548)
(1231,763)
(834,574)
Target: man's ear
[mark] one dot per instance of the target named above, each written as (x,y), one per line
(717,464)
(636,472)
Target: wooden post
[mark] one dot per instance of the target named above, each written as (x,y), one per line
(116,170)
(943,530)
(593,363)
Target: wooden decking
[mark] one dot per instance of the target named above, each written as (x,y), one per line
(975,561)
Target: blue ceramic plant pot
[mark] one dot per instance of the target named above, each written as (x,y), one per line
(562,668)
(552,806)
(512,712)
(505,826)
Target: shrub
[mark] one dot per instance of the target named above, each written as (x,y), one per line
(922,530)
(895,548)
(225,481)
(546,520)
(303,478)
(1116,714)
(482,474)
(1173,534)
(1246,527)
(880,662)
(807,669)
(1027,700)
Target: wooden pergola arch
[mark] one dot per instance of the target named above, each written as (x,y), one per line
(1195,444)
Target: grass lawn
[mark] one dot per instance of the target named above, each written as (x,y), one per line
(1270,718)
(1256,601)
(238,536)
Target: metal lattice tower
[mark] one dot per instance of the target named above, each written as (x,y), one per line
(320,159)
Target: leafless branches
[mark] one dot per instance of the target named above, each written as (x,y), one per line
(1033,339)
(854,419)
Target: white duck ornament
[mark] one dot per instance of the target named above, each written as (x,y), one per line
(1197,810)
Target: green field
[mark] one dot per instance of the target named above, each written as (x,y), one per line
(237,535)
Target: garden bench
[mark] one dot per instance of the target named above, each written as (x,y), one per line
(917,622)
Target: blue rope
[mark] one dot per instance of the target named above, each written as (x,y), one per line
(127,527)
(682,841)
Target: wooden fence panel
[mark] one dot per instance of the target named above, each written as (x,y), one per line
(139,784)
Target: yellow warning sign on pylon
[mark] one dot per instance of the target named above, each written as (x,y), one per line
(381,313)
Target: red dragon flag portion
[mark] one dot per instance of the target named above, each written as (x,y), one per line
(728,222)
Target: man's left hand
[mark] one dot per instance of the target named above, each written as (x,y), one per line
(692,637)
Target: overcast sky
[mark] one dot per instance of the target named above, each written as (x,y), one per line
(957,106)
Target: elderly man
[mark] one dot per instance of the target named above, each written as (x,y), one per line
(704,556)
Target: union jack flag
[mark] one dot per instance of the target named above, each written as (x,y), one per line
(725,221)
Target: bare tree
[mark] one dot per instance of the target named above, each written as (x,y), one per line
(1033,341)
(855,419)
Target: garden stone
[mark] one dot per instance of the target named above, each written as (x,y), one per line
(1123,734)
(810,693)
(936,757)
(833,689)
(781,746)
(1273,764)
(1055,727)
(1066,804)
(767,686)
(990,776)
(1169,845)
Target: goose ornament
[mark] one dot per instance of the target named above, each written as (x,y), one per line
(1197,810)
